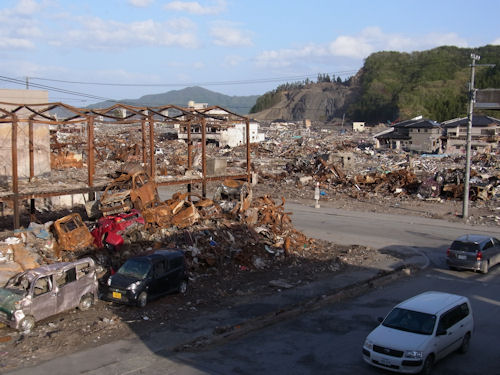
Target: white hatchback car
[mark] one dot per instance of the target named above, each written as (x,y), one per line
(419,331)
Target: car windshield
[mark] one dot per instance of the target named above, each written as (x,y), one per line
(18,284)
(137,268)
(465,246)
(410,321)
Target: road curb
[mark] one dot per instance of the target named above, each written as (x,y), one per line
(231,332)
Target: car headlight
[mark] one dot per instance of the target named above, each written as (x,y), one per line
(415,354)
(109,281)
(368,344)
(134,286)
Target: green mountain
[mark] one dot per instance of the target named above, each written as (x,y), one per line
(391,86)
(237,104)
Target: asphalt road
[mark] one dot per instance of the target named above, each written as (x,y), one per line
(429,236)
(329,341)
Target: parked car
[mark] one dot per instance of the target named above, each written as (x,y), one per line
(48,290)
(473,252)
(419,331)
(146,277)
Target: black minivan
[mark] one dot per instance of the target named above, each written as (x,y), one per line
(143,278)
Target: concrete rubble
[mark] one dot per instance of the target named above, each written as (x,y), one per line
(242,230)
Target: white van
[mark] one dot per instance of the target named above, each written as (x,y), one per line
(420,331)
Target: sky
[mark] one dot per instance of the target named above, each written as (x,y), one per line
(116,49)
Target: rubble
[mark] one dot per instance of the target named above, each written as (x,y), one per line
(241,238)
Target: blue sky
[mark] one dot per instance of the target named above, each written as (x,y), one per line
(236,47)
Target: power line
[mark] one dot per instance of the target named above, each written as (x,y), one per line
(208,83)
(55,89)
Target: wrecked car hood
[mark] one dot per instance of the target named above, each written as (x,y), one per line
(115,196)
(8,299)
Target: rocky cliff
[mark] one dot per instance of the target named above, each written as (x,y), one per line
(324,102)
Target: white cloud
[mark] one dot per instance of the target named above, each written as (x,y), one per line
(97,33)
(496,42)
(140,3)
(435,39)
(27,7)
(198,65)
(229,36)
(183,64)
(357,47)
(195,7)
(19,25)
(233,60)
(286,57)
(16,43)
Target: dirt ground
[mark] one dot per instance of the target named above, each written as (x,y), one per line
(211,289)
(208,291)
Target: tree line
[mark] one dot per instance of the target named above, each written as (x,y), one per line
(396,85)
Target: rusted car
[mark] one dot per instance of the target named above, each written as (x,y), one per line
(72,234)
(47,290)
(129,190)
(233,196)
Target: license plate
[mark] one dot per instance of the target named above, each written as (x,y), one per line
(461,257)
(384,362)
(117,295)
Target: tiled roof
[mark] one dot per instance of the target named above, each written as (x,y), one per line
(477,120)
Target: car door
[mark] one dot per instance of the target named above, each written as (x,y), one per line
(159,283)
(496,250)
(44,297)
(489,253)
(449,332)
(67,289)
(175,273)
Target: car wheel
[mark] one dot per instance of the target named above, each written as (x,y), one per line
(465,344)
(183,287)
(85,302)
(142,300)
(485,267)
(27,323)
(428,364)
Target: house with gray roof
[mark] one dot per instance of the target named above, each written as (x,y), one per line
(417,135)
(485,134)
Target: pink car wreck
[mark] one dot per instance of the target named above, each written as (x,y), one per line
(48,290)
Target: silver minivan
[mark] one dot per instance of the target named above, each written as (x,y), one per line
(41,292)
(475,252)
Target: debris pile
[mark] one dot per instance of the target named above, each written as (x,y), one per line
(231,229)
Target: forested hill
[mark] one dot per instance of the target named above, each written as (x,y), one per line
(394,85)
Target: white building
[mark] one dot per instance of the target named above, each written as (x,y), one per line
(230,135)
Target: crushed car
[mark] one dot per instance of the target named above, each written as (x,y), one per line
(129,190)
(48,290)
(71,234)
(111,230)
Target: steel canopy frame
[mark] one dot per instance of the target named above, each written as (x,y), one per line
(117,114)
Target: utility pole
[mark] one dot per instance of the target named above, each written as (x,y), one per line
(472,94)
(472,99)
